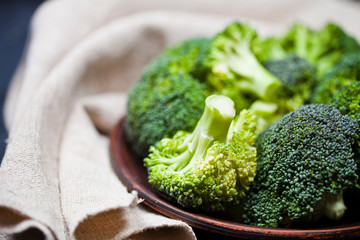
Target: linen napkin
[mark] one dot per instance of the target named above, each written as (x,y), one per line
(71,87)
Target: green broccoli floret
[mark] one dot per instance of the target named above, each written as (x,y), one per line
(181,58)
(212,167)
(269,49)
(298,78)
(322,48)
(347,70)
(167,98)
(347,100)
(230,67)
(162,106)
(304,163)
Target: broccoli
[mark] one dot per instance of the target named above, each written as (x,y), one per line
(298,78)
(229,67)
(213,166)
(266,113)
(347,100)
(269,49)
(181,58)
(322,48)
(305,161)
(167,98)
(347,70)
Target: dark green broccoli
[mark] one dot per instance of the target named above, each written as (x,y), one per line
(298,78)
(304,163)
(161,107)
(229,67)
(347,70)
(347,100)
(167,98)
(213,166)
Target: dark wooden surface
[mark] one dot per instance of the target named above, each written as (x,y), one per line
(133,174)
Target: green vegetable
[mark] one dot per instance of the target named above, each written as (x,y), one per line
(304,163)
(323,48)
(166,99)
(347,70)
(213,166)
(298,79)
(229,67)
(347,100)
(181,58)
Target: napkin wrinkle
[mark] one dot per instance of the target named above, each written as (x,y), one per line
(13,222)
(70,90)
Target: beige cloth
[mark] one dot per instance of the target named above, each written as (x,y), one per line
(70,88)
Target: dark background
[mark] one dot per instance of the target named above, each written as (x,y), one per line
(15,16)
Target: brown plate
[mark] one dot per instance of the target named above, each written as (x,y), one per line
(133,174)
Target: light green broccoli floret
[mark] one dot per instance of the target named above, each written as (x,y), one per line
(213,166)
(229,66)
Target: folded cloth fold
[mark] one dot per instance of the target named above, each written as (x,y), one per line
(71,88)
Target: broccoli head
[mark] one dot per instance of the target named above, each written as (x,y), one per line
(160,107)
(322,48)
(305,161)
(347,100)
(229,66)
(213,166)
(298,78)
(181,58)
(347,70)
(167,98)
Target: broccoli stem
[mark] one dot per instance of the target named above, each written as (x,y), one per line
(258,80)
(212,126)
(334,208)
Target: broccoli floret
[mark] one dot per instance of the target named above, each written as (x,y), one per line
(207,169)
(347,100)
(230,67)
(269,49)
(181,58)
(304,162)
(298,78)
(167,98)
(347,70)
(160,107)
(322,48)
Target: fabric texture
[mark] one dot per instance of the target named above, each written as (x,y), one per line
(71,87)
